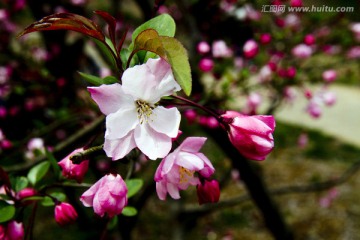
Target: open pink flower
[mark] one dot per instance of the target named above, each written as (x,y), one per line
(251,135)
(177,171)
(74,171)
(133,118)
(108,195)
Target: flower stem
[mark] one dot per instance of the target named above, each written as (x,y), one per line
(205,109)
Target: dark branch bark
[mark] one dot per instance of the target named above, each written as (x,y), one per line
(255,186)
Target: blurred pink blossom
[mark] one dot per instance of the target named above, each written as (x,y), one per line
(206,64)
(302,51)
(203,47)
(221,50)
(250,48)
(329,75)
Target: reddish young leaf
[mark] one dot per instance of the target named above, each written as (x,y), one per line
(66,21)
(111,21)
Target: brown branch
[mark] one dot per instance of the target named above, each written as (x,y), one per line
(68,142)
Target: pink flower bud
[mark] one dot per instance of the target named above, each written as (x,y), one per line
(296,3)
(65,214)
(272,66)
(250,135)
(265,38)
(6,144)
(291,72)
(309,39)
(203,47)
(206,64)
(250,48)
(74,171)
(3,112)
(212,122)
(329,75)
(14,231)
(353,53)
(25,193)
(190,115)
(302,51)
(208,191)
(108,195)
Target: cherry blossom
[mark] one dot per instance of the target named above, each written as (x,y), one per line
(177,171)
(133,117)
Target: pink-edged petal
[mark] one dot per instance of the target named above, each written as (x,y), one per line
(161,190)
(159,67)
(262,142)
(190,161)
(173,190)
(267,119)
(117,186)
(120,123)
(164,83)
(97,206)
(166,87)
(166,121)
(88,196)
(139,82)
(168,163)
(152,144)
(192,144)
(158,174)
(118,148)
(251,124)
(208,169)
(109,98)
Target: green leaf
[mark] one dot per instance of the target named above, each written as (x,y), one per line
(54,164)
(47,202)
(110,80)
(164,24)
(171,50)
(21,183)
(97,81)
(91,78)
(38,172)
(129,211)
(106,52)
(112,224)
(7,211)
(133,186)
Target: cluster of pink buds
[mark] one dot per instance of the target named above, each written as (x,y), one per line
(319,99)
(219,49)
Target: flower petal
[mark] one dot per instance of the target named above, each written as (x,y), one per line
(152,144)
(139,82)
(190,161)
(161,190)
(251,124)
(110,98)
(192,144)
(118,148)
(166,121)
(120,123)
(173,190)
